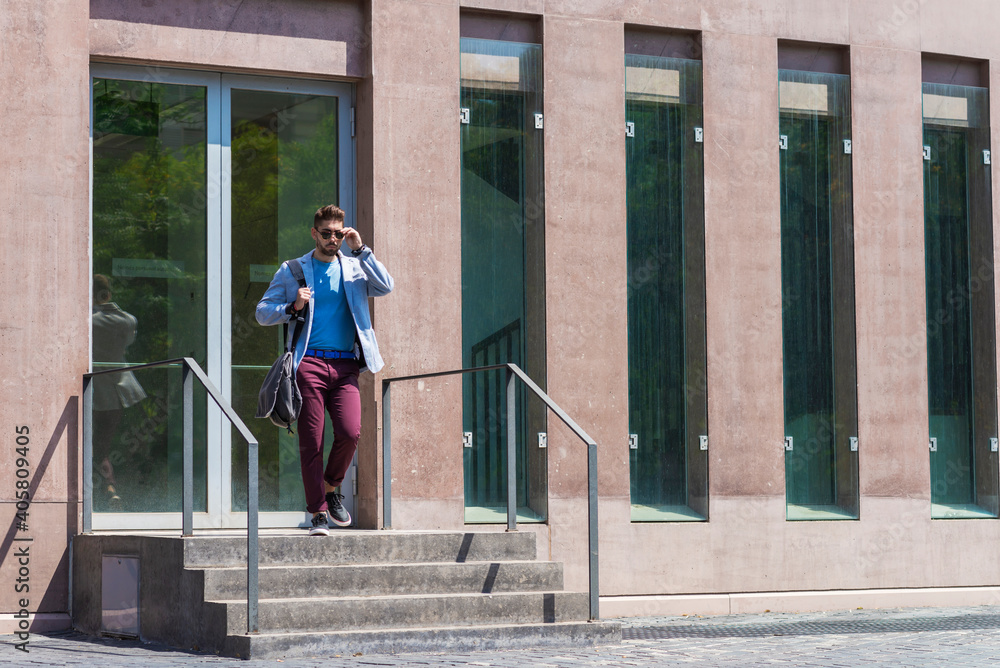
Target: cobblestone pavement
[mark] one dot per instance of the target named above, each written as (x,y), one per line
(899,637)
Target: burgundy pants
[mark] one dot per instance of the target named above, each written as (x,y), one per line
(327,385)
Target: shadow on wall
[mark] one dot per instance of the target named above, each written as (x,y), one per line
(56,595)
(330,21)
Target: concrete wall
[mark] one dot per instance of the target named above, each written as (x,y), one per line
(416,214)
(45,231)
(404,57)
(747,546)
(293,37)
(45,274)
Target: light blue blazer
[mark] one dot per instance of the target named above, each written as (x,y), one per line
(364,277)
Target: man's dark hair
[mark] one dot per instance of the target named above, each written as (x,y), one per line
(328,212)
(102,288)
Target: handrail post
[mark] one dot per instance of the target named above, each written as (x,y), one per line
(88,453)
(187,477)
(511,454)
(592,537)
(253,555)
(386,456)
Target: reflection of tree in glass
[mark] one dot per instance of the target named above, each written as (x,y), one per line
(277,186)
(149,199)
(279,180)
(149,206)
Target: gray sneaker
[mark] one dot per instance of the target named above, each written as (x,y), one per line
(319,525)
(338,514)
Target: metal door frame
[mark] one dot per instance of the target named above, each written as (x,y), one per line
(218,333)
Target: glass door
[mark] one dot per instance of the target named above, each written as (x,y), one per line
(289,152)
(201,185)
(152,144)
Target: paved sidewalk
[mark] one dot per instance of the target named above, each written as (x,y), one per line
(898,637)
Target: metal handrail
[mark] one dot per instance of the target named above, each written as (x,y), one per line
(190,368)
(513,371)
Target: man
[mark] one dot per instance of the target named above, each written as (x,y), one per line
(336,343)
(114,330)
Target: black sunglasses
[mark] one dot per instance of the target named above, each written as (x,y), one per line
(338,234)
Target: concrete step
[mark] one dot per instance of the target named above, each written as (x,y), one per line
(363,547)
(399,591)
(384,579)
(425,639)
(355,613)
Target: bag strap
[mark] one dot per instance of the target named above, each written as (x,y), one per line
(296,269)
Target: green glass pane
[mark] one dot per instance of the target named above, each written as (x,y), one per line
(959,289)
(149,217)
(666,284)
(503,279)
(817,282)
(284,149)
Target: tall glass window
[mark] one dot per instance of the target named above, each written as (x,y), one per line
(817,283)
(961,340)
(668,415)
(503,271)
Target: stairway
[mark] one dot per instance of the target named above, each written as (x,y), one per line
(354,591)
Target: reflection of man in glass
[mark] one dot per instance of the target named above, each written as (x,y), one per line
(113,330)
(336,343)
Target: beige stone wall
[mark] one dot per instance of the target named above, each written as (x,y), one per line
(416,214)
(748,546)
(291,37)
(44,235)
(404,56)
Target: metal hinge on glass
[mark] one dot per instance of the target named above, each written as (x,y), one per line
(703,442)
(467,439)
(933,444)
(986,157)
(783,142)
(465,115)
(699,135)
(854,443)
(994,445)
(543,439)
(788,443)
(847,147)
(633,441)
(538,121)
(629,129)
(927,152)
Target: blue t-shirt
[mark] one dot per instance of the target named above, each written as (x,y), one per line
(333,324)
